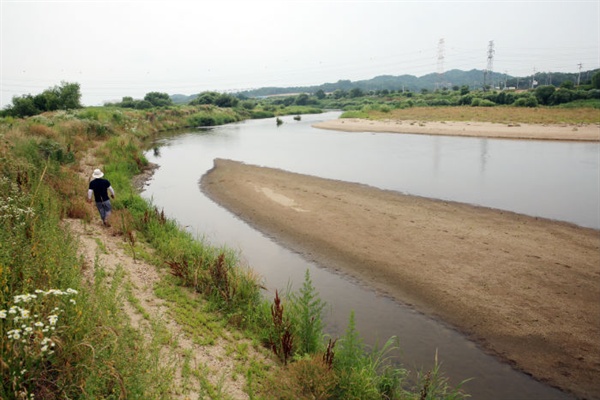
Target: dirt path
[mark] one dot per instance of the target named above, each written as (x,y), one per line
(212,363)
(527,289)
(479,129)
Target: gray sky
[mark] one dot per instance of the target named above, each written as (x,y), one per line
(129,48)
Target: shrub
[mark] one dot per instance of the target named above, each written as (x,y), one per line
(258,114)
(486,103)
(527,101)
(561,96)
(143,105)
(313,378)
(307,312)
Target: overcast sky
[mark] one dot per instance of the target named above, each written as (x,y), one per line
(129,48)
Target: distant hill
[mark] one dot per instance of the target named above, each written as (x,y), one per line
(473,78)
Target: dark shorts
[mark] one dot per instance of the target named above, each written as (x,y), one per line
(104,208)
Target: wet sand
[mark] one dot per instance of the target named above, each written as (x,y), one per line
(587,132)
(526,289)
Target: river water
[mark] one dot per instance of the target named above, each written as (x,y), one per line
(556,180)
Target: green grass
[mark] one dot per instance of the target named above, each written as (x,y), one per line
(498,114)
(97,353)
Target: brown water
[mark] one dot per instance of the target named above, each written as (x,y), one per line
(551,180)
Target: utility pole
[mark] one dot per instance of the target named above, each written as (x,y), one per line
(490,65)
(579,75)
(440,64)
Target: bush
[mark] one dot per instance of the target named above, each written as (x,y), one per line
(543,94)
(528,101)
(258,114)
(486,103)
(561,96)
(143,105)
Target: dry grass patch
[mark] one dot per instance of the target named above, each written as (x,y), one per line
(504,115)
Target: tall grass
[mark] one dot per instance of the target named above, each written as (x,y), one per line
(60,339)
(65,338)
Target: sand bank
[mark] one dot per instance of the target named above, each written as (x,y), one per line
(527,289)
(587,132)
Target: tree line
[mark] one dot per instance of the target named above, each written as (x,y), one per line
(67,96)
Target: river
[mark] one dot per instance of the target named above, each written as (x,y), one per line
(556,180)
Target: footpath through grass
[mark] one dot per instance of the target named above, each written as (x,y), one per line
(67,337)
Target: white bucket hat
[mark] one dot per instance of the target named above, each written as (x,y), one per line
(97,174)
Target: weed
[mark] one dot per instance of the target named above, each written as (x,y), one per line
(281,339)
(306,313)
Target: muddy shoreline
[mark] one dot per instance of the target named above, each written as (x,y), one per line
(525,288)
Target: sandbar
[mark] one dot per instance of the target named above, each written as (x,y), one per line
(526,289)
(574,132)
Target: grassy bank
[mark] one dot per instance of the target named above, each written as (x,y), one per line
(64,333)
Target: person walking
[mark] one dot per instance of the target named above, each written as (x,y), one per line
(100,187)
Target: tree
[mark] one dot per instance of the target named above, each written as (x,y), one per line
(63,97)
(143,105)
(69,96)
(127,102)
(356,92)
(561,96)
(302,99)
(339,93)
(205,98)
(543,93)
(158,99)
(596,80)
(567,85)
(22,106)
(320,94)
(226,100)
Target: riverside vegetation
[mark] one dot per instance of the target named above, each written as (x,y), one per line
(67,336)
(64,336)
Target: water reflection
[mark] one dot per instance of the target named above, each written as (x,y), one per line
(529,177)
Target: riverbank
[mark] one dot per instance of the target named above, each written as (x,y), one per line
(581,132)
(525,288)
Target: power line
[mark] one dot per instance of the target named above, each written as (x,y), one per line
(490,65)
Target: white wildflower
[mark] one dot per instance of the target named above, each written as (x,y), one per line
(53,318)
(3,314)
(24,313)
(14,334)
(25,298)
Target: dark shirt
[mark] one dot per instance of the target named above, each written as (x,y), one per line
(100,188)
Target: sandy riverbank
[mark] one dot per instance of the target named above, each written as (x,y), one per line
(527,289)
(586,132)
